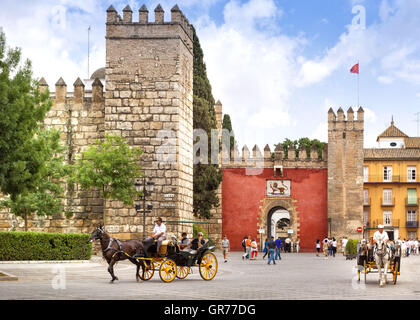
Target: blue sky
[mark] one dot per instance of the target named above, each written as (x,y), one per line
(276,65)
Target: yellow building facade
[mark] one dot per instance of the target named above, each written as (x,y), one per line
(391,186)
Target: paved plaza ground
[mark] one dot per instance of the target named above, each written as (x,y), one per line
(296,276)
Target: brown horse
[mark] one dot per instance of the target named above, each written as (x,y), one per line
(114,250)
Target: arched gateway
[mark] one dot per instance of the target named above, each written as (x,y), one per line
(278,222)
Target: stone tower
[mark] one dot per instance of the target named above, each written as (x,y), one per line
(345,173)
(149,100)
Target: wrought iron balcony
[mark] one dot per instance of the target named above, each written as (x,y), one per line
(412,224)
(395,223)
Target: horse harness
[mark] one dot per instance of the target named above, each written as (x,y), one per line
(111,241)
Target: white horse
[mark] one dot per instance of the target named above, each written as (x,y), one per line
(382,257)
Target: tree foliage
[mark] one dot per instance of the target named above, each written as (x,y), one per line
(31,162)
(39,185)
(305,143)
(207,177)
(110,166)
(227,124)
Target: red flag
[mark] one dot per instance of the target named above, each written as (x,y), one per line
(355,68)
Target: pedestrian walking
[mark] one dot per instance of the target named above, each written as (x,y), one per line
(278,248)
(330,246)
(318,247)
(271,248)
(254,249)
(297,246)
(343,245)
(334,246)
(325,248)
(265,250)
(288,244)
(247,248)
(225,247)
(244,246)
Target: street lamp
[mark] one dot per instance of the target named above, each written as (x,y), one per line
(141,187)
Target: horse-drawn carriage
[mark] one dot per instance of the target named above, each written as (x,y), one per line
(169,261)
(381,255)
(172,262)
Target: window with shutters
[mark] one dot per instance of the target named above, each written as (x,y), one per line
(411,197)
(387,174)
(387,197)
(365,174)
(387,218)
(411,174)
(365,196)
(412,215)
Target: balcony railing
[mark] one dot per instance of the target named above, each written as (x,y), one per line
(374,223)
(388,203)
(412,202)
(394,178)
(412,224)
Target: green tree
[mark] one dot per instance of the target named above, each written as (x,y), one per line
(207,177)
(227,124)
(22,108)
(302,142)
(38,186)
(110,166)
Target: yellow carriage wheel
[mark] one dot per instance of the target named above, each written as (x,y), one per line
(395,272)
(208,266)
(167,270)
(149,271)
(182,272)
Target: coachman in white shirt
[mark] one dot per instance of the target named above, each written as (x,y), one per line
(380,234)
(159,233)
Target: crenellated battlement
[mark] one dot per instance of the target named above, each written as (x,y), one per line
(339,121)
(79,94)
(142,27)
(279,157)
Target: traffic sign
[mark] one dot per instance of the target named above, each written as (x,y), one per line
(359,229)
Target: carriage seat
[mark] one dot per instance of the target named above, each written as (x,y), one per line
(189,251)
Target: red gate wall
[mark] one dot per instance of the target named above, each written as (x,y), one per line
(242,195)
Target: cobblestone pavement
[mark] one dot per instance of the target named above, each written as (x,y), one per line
(296,276)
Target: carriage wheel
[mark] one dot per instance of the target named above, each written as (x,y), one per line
(208,266)
(182,272)
(148,271)
(365,270)
(395,271)
(167,270)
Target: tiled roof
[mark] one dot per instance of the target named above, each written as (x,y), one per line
(397,154)
(412,142)
(392,131)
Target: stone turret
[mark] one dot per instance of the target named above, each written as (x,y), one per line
(149,77)
(345,173)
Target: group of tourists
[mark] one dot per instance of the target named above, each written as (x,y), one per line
(272,248)
(329,247)
(409,247)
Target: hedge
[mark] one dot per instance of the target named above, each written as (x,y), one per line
(351,247)
(16,246)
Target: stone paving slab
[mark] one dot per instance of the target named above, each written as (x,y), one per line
(296,276)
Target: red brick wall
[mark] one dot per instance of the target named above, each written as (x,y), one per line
(242,195)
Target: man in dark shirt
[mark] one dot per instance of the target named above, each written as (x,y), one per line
(271,248)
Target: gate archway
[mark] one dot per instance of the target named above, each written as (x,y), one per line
(278,222)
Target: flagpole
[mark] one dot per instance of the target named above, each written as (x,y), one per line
(358,87)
